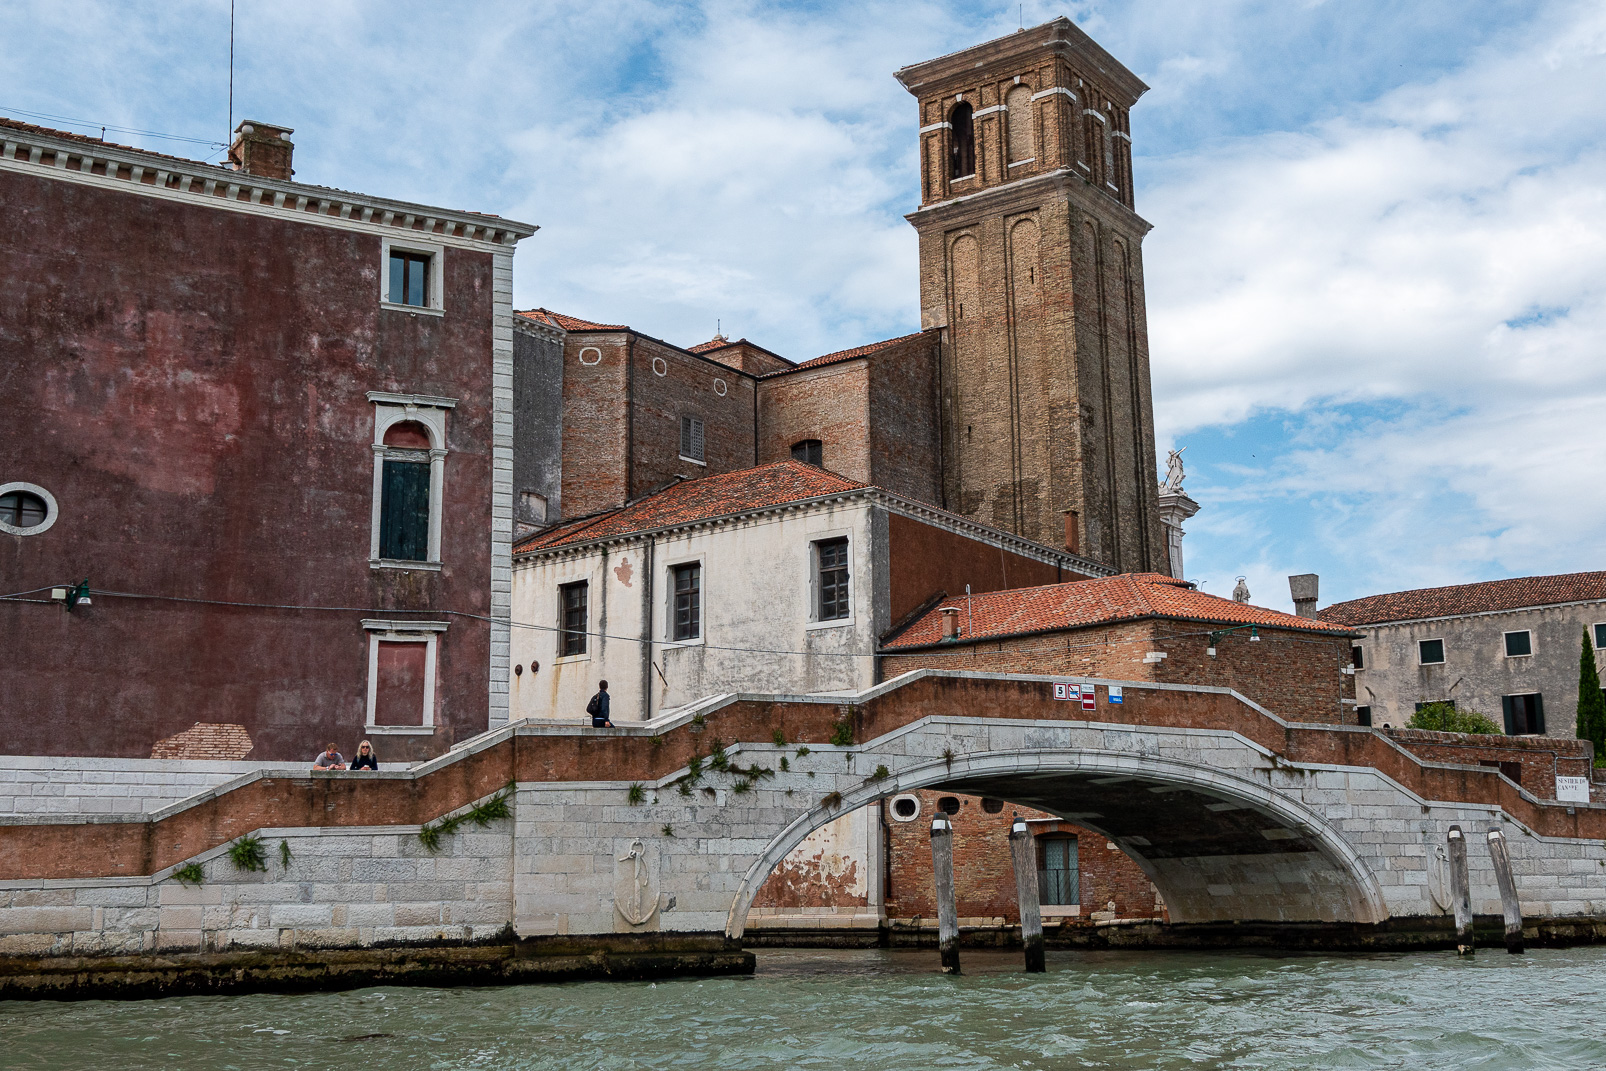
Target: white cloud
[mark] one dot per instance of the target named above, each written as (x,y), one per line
(1441,251)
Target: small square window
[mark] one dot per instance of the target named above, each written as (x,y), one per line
(831,570)
(688,590)
(572,603)
(808,451)
(1430,652)
(409,279)
(1357,657)
(691,439)
(1363,715)
(1519,643)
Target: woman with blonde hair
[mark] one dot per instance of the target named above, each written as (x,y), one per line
(365,758)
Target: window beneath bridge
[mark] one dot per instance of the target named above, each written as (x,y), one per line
(1058,870)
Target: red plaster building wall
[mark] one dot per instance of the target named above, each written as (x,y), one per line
(984,874)
(189,384)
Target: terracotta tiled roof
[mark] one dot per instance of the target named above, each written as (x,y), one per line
(699,500)
(1082,603)
(568,323)
(848,355)
(718,342)
(1459,599)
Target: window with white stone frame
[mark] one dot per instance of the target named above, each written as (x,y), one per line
(409,480)
(412,276)
(402,658)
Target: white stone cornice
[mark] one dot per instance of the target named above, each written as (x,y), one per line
(196,183)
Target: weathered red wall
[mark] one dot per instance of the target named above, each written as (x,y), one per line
(189,384)
(924,559)
(984,873)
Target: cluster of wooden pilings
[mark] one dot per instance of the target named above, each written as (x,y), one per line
(1461,891)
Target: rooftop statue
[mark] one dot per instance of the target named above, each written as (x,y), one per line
(1173,473)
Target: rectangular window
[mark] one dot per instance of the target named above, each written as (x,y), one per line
(404,511)
(409,278)
(572,600)
(688,616)
(809,451)
(1430,652)
(1357,657)
(691,439)
(831,564)
(1363,715)
(1519,643)
(1600,637)
(1525,714)
(1512,770)
(1059,876)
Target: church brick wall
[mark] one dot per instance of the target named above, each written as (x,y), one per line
(667,384)
(830,403)
(905,432)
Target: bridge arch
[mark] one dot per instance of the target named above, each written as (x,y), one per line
(1218,846)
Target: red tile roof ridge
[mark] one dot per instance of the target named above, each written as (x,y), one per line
(1455,600)
(566,322)
(1084,603)
(702,499)
(845,355)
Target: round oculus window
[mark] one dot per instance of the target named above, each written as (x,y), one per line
(26,509)
(905,808)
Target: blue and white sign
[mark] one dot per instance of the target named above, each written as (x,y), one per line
(1115,693)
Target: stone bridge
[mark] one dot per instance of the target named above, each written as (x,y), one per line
(671,827)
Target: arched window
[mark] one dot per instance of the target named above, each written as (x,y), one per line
(404,497)
(962,139)
(808,451)
(1018,101)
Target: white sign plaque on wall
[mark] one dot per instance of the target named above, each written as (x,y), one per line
(1572,789)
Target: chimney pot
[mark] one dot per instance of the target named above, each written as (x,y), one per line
(1304,589)
(262,149)
(950,622)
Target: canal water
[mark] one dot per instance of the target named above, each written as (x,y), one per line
(887,1011)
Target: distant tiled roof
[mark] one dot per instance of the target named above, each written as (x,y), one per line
(1081,603)
(718,342)
(848,355)
(699,500)
(568,323)
(1460,599)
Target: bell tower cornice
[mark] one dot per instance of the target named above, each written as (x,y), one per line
(946,74)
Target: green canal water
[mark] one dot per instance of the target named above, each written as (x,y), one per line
(888,1011)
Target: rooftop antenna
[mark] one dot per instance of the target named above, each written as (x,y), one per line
(1020,11)
(230,138)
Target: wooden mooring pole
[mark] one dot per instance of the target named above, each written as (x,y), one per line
(1510,907)
(942,869)
(1023,850)
(1460,892)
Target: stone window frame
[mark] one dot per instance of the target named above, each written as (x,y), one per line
(1444,654)
(667,631)
(387,631)
(814,619)
(560,632)
(1597,631)
(430,412)
(52,510)
(435,297)
(903,797)
(1505,642)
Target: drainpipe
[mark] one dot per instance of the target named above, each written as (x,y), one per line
(646,629)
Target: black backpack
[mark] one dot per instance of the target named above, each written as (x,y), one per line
(594,707)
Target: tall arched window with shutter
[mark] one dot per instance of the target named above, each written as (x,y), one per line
(409,472)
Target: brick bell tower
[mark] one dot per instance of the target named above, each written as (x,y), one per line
(1030,261)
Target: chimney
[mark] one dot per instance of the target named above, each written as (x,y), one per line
(1073,532)
(1303,589)
(262,149)
(950,623)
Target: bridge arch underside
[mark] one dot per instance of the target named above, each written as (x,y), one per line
(1220,847)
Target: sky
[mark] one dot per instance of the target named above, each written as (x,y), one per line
(1376,282)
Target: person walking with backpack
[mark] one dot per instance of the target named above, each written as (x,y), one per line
(598,708)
